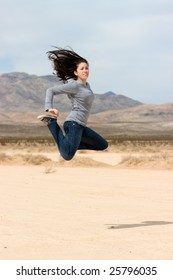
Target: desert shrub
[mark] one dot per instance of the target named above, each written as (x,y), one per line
(4,157)
(130,160)
(35,159)
(162,160)
(50,168)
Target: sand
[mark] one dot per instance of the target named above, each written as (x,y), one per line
(99,206)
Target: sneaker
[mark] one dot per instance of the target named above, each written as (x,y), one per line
(46,118)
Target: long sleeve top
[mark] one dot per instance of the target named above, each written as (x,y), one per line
(81,98)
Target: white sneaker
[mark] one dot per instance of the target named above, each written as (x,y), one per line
(46,118)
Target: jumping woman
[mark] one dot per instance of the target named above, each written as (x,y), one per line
(73,70)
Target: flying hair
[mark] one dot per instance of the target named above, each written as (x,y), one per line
(65,62)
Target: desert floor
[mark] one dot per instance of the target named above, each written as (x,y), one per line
(116,204)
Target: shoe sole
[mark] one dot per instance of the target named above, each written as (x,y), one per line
(44,116)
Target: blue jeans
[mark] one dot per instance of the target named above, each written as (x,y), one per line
(76,137)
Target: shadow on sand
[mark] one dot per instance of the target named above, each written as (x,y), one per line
(142,224)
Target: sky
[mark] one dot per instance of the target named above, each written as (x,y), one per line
(128,43)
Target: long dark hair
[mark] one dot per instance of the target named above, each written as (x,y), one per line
(65,62)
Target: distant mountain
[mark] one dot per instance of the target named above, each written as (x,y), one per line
(142,113)
(20,92)
(22,99)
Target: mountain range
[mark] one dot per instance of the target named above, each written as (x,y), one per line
(22,97)
(21,92)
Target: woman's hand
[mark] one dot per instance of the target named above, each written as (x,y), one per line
(54,112)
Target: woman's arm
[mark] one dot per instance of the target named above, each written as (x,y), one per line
(69,88)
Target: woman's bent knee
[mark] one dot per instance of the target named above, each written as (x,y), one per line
(68,156)
(104,145)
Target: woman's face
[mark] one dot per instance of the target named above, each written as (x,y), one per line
(82,72)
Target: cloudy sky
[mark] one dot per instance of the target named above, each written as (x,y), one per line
(128,43)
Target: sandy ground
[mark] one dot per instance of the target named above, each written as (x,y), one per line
(98,206)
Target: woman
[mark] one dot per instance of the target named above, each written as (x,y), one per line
(73,70)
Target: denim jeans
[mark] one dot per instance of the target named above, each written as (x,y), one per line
(75,137)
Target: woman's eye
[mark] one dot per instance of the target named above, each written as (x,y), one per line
(81,69)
